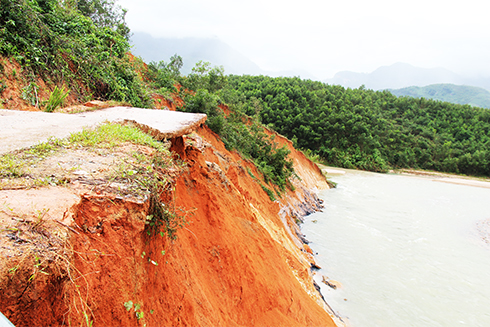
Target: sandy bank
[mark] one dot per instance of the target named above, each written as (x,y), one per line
(448,178)
(434,176)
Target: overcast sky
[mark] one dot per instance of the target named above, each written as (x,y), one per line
(324,37)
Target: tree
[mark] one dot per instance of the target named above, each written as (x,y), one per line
(165,76)
(175,65)
(105,13)
(203,76)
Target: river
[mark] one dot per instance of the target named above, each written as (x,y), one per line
(406,250)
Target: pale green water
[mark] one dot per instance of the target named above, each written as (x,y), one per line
(406,250)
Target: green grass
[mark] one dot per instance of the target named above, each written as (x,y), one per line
(106,136)
(111,135)
(10,166)
(56,99)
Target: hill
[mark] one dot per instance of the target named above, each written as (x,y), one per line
(395,76)
(401,75)
(460,94)
(192,50)
(371,130)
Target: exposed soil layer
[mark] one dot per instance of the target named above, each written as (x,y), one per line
(14,91)
(161,102)
(237,262)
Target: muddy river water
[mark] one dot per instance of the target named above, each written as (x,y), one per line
(408,251)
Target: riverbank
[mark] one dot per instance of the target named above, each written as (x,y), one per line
(433,175)
(80,248)
(447,178)
(407,250)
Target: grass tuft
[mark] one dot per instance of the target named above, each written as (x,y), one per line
(56,99)
(10,166)
(111,135)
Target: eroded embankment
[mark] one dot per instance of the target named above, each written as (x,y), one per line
(238,261)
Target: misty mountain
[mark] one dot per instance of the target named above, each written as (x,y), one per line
(396,76)
(401,75)
(461,94)
(192,50)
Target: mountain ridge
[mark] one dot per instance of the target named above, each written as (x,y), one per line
(459,94)
(401,75)
(193,49)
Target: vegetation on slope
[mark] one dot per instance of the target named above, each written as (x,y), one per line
(83,45)
(238,131)
(80,44)
(459,94)
(359,128)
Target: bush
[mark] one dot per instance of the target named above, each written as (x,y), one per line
(53,40)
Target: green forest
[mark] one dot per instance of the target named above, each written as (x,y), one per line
(84,44)
(371,130)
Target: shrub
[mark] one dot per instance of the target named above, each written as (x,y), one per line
(53,40)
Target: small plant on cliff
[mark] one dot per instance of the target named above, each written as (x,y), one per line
(3,86)
(88,322)
(164,220)
(129,305)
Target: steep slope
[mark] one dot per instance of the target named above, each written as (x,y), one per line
(238,262)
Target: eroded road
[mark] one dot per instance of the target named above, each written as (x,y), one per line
(23,129)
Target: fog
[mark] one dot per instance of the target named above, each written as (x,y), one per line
(325,37)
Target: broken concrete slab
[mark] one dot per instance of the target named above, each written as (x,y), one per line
(22,129)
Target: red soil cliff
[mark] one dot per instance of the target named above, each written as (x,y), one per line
(238,262)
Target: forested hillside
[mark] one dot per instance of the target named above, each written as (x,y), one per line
(82,47)
(360,128)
